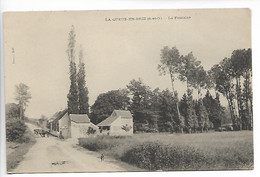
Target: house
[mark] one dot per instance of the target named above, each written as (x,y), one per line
(59,124)
(71,126)
(120,123)
(81,126)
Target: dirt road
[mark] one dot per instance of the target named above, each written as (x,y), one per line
(55,155)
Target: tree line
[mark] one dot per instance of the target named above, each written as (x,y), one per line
(156,110)
(232,77)
(162,110)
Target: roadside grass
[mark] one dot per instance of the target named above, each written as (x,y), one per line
(15,151)
(162,151)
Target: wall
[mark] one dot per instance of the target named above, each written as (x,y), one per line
(79,130)
(116,127)
(64,126)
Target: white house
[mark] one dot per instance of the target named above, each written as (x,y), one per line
(81,126)
(120,123)
(71,126)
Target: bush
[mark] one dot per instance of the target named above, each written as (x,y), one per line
(14,158)
(153,156)
(15,130)
(164,151)
(99,143)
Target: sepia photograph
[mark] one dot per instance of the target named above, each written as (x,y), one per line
(128,90)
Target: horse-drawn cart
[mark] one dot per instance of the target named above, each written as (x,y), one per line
(41,132)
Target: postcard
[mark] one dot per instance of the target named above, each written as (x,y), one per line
(128,90)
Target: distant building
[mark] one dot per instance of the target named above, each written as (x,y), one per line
(71,126)
(120,123)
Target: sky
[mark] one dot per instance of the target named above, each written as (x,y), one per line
(115,52)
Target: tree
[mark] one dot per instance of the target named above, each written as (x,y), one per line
(213,74)
(171,63)
(247,90)
(179,119)
(232,78)
(141,103)
(214,109)
(73,105)
(12,110)
(242,72)
(106,103)
(203,119)
(22,95)
(168,111)
(82,89)
(187,69)
(225,85)
(237,64)
(199,79)
(144,106)
(188,112)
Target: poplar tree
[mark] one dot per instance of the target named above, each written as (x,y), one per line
(170,63)
(73,105)
(82,88)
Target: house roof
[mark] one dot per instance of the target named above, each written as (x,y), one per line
(116,113)
(58,115)
(123,113)
(107,121)
(79,118)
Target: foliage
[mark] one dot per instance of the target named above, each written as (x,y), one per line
(22,95)
(216,113)
(199,79)
(126,128)
(73,105)
(203,119)
(170,63)
(98,143)
(187,110)
(106,103)
(82,89)
(188,68)
(141,95)
(12,110)
(154,156)
(144,105)
(91,131)
(17,155)
(208,151)
(227,77)
(167,111)
(15,130)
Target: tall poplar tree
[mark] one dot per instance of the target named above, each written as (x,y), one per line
(171,63)
(73,105)
(82,88)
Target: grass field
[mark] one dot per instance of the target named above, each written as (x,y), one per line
(160,151)
(15,151)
